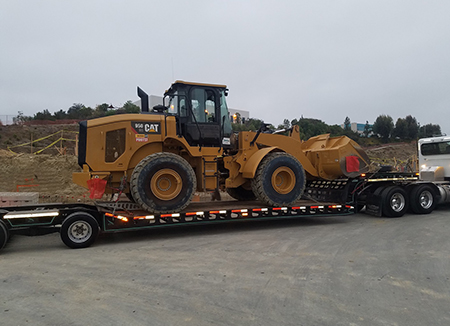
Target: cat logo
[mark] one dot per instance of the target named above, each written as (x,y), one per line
(145,128)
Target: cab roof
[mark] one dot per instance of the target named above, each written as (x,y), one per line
(182,82)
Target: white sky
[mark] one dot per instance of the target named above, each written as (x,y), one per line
(280,59)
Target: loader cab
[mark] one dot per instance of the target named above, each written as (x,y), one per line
(201,111)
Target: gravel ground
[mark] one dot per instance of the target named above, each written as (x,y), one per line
(353,270)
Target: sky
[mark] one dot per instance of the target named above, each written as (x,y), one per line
(280,59)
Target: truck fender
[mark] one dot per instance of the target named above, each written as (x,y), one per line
(249,169)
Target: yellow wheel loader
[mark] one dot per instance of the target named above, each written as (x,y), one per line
(160,158)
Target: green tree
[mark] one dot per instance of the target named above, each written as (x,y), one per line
(129,107)
(59,115)
(429,130)
(347,123)
(286,125)
(101,110)
(413,127)
(383,126)
(74,111)
(367,129)
(400,129)
(44,115)
(21,118)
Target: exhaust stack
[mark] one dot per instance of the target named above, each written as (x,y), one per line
(144,100)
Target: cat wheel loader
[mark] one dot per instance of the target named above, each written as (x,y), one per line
(161,157)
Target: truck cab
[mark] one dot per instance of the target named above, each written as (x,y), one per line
(434,158)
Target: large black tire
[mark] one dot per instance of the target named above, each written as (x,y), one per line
(79,230)
(163,183)
(241,193)
(422,199)
(279,180)
(4,234)
(394,201)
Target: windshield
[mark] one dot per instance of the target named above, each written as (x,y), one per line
(224,113)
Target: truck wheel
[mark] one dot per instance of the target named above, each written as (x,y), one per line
(4,234)
(79,230)
(241,193)
(279,180)
(163,183)
(422,199)
(394,201)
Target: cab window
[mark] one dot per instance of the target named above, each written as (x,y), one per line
(203,103)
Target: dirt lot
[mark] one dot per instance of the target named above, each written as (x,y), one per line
(353,270)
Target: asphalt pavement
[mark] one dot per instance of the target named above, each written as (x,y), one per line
(349,270)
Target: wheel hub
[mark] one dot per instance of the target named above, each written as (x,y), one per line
(166,184)
(397,202)
(426,199)
(283,180)
(79,231)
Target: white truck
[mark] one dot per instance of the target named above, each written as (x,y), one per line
(434,165)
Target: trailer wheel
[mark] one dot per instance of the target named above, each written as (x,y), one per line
(241,193)
(163,183)
(4,235)
(422,199)
(279,180)
(79,230)
(394,201)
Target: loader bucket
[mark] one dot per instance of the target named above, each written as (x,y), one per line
(336,157)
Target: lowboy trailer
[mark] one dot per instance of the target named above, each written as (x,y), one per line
(388,194)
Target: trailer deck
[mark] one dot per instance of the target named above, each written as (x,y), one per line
(79,224)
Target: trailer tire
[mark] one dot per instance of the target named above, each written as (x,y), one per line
(394,201)
(422,199)
(79,230)
(4,235)
(241,193)
(279,180)
(163,183)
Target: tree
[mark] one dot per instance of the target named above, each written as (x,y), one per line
(44,115)
(61,114)
(413,127)
(286,125)
(129,107)
(429,130)
(383,126)
(401,129)
(249,125)
(367,129)
(20,119)
(347,123)
(101,110)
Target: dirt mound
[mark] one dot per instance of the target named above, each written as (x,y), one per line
(402,156)
(50,139)
(50,175)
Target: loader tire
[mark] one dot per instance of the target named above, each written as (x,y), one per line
(279,180)
(163,183)
(241,193)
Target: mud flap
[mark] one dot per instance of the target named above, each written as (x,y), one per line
(96,188)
